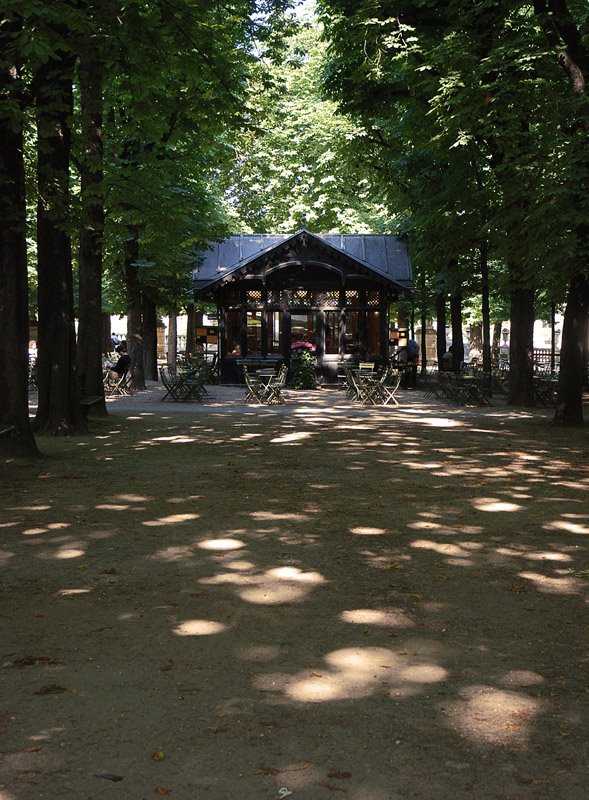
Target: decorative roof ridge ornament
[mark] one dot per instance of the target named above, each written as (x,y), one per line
(304,241)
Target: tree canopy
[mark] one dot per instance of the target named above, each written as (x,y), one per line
(134,133)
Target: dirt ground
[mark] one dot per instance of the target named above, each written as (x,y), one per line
(311,601)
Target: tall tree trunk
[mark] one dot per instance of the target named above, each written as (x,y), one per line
(149,338)
(173,337)
(586,356)
(59,409)
(496,342)
(134,309)
(14,356)
(484,265)
(190,330)
(569,409)
(106,333)
(423,343)
(91,179)
(521,348)
(457,337)
(565,34)
(441,327)
(552,338)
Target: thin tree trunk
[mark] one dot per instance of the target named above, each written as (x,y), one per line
(586,355)
(59,409)
(552,338)
(496,342)
(134,309)
(190,329)
(457,338)
(484,264)
(423,343)
(14,356)
(521,348)
(91,178)
(106,334)
(569,409)
(441,327)
(149,338)
(172,338)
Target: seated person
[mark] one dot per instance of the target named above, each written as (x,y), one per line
(122,366)
(448,360)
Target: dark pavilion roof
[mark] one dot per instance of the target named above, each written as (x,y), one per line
(383,257)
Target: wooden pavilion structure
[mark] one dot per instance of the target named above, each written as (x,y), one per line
(333,291)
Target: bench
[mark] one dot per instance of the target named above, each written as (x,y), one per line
(86,403)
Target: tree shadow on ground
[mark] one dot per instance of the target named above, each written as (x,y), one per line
(383,605)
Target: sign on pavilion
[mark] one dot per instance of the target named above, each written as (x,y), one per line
(331,290)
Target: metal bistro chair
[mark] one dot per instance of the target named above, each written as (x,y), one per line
(117,387)
(267,390)
(388,385)
(366,389)
(171,383)
(350,385)
(255,387)
(366,367)
(276,385)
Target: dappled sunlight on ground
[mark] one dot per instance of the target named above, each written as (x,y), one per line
(221,544)
(551,585)
(382,603)
(494,716)
(353,673)
(385,617)
(198,627)
(491,504)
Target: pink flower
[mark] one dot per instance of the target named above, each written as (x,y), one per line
(302,346)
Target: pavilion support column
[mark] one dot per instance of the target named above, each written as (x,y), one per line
(319,338)
(264,326)
(384,333)
(286,334)
(222,340)
(362,326)
(341,342)
(243,337)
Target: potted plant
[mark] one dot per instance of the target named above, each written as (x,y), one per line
(302,365)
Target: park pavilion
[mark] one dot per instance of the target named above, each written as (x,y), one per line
(333,291)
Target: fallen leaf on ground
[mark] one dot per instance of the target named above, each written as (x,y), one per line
(30,661)
(32,749)
(157,755)
(162,790)
(276,771)
(331,787)
(52,688)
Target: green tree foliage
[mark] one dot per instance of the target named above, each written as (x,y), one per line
(467,104)
(295,160)
(176,77)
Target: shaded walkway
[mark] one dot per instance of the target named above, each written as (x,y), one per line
(378,603)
